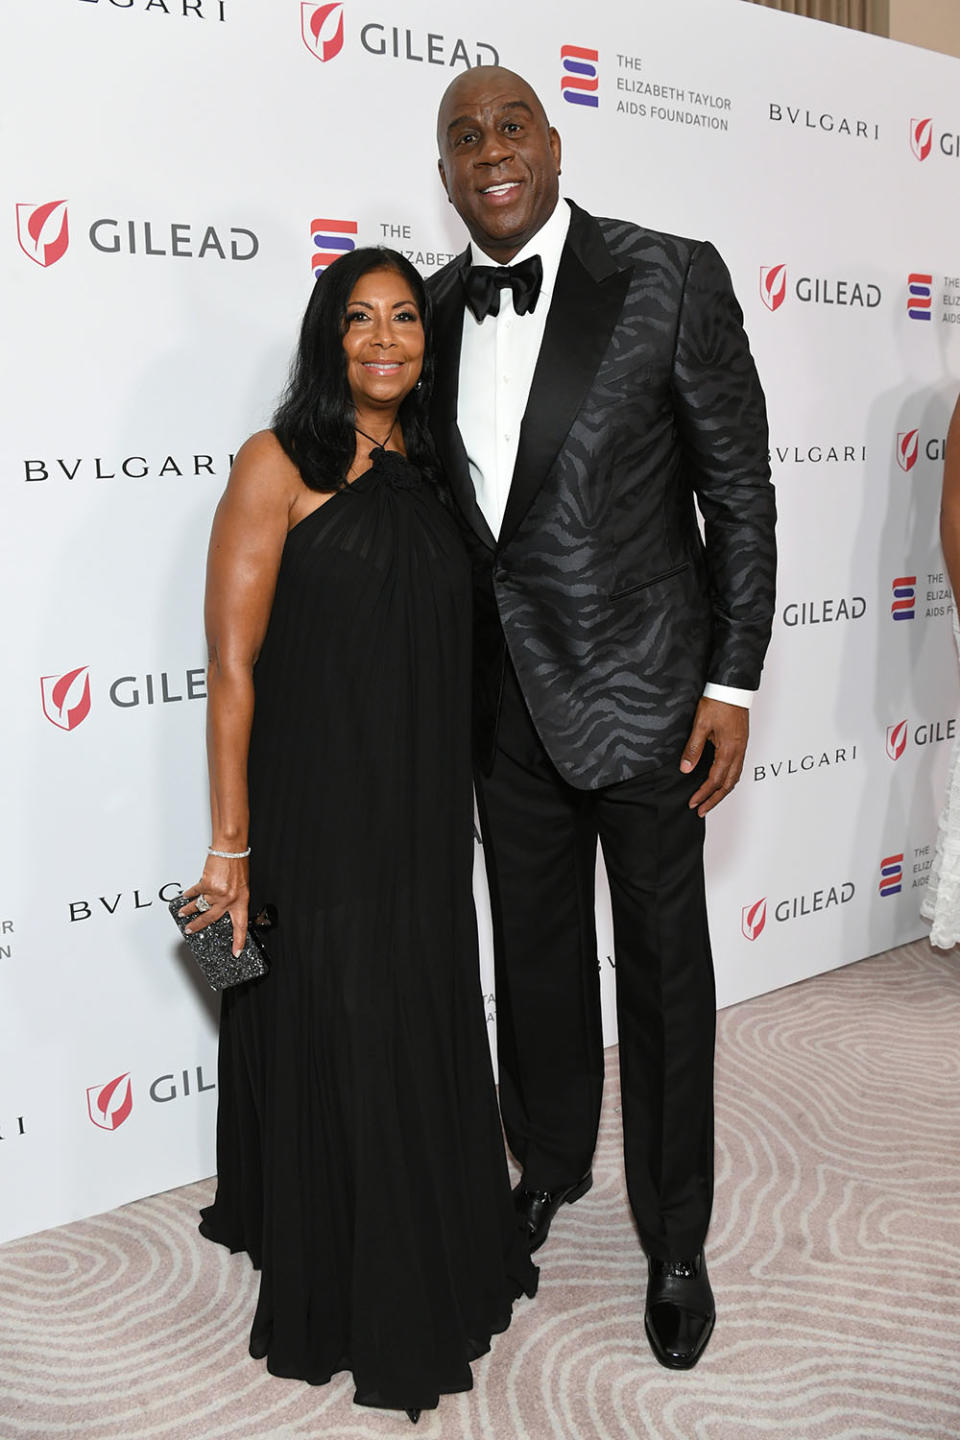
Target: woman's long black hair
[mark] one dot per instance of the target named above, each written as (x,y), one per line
(314,420)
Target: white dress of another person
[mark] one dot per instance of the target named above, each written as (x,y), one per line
(941,904)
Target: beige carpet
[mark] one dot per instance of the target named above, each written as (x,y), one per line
(835,1256)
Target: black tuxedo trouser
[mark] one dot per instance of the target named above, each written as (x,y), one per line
(540,837)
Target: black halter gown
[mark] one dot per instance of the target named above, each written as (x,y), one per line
(360,1158)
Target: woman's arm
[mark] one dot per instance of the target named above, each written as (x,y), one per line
(249,530)
(950,503)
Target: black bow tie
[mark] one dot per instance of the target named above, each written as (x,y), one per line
(483,284)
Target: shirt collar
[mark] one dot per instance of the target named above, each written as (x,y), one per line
(548,243)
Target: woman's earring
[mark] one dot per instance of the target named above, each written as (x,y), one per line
(419,385)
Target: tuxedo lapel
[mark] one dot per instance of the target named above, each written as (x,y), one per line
(587,300)
(448,306)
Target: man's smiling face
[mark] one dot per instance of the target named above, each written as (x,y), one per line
(499,159)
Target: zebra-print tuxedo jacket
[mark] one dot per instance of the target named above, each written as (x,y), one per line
(645,406)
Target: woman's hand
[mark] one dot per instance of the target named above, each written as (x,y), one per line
(225,886)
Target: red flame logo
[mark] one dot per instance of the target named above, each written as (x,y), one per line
(896,739)
(753,918)
(921,137)
(66,698)
(42,231)
(322,29)
(109,1105)
(908,444)
(773,285)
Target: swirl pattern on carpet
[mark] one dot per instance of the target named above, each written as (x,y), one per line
(834,1256)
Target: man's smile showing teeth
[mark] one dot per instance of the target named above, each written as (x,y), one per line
(503,189)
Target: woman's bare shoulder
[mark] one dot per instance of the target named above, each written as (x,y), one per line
(263,475)
(262,452)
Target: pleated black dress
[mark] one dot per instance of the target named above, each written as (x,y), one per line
(360,1159)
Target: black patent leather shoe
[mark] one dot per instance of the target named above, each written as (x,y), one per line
(680,1312)
(413,1415)
(538,1207)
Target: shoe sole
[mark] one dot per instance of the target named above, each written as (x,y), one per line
(578,1191)
(672,1363)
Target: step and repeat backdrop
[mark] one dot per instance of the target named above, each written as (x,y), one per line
(176,173)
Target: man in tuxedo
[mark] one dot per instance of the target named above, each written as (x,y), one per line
(594,388)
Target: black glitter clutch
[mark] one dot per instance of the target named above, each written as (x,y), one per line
(212,948)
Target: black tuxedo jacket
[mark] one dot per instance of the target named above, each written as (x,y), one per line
(645,404)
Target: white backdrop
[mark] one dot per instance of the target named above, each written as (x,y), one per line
(168,165)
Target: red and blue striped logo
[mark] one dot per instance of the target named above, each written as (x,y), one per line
(904,606)
(891,875)
(331,239)
(919,296)
(580,83)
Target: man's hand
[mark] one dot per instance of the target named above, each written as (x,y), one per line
(728,727)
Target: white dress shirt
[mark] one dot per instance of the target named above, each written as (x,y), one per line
(498,356)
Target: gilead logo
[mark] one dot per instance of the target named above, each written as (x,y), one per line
(753,918)
(110,1104)
(321,27)
(921,137)
(929,732)
(896,739)
(908,446)
(112,236)
(43,232)
(817,289)
(66,698)
(773,285)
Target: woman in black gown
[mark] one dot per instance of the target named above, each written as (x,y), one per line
(360,1160)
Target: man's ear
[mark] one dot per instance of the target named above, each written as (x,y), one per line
(555,147)
(443,179)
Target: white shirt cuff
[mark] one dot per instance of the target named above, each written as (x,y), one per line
(728,694)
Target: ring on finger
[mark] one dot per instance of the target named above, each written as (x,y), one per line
(202,904)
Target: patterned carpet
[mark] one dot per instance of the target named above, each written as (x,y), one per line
(834,1253)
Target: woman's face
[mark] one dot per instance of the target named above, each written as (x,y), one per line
(383,340)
